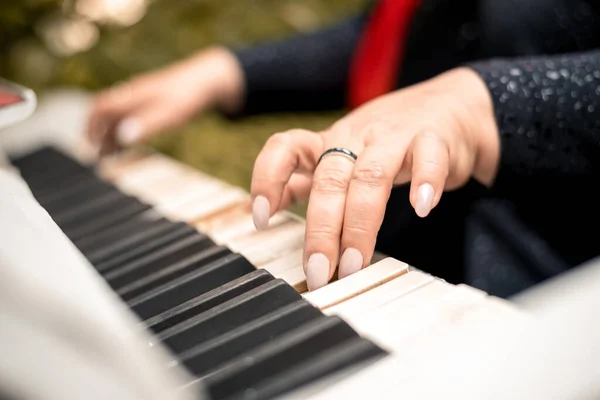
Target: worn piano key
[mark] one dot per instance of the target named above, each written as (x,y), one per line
(381,295)
(296,278)
(111,166)
(203,207)
(409,361)
(287,262)
(208,300)
(430,292)
(214,353)
(190,286)
(176,232)
(356,284)
(423,316)
(179,190)
(146,171)
(265,246)
(166,274)
(273,361)
(225,317)
(236,224)
(158,259)
(79,231)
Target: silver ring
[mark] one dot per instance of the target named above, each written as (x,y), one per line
(339,151)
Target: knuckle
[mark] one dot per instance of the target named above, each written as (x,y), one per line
(331,180)
(432,167)
(282,139)
(321,232)
(361,219)
(357,224)
(370,174)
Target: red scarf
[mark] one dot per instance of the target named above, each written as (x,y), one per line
(376,62)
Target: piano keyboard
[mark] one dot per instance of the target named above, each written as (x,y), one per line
(229,303)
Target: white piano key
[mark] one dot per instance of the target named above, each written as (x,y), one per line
(195,209)
(362,281)
(380,295)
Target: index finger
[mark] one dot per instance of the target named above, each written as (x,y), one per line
(282,155)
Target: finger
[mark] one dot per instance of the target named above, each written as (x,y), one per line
(325,216)
(297,189)
(109,107)
(430,167)
(146,122)
(282,155)
(368,194)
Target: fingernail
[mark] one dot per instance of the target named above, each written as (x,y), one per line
(261,211)
(424,200)
(351,262)
(317,271)
(129,131)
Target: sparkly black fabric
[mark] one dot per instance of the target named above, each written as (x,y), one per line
(301,73)
(544,78)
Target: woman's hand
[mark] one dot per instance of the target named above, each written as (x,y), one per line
(435,135)
(164,99)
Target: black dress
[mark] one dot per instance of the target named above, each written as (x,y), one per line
(540,60)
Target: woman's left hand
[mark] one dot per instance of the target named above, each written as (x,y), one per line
(435,135)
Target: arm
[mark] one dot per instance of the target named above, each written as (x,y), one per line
(301,73)
(548,114)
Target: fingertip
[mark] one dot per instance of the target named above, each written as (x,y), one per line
(424,200)
(350,262)
(129,131)
(261,212)
(317,271)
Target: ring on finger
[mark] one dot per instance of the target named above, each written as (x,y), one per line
(338,151)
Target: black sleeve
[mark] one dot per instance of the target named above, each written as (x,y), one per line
(548,114)
(307,72)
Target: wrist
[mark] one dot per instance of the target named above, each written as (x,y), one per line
(222,76)
(482,127)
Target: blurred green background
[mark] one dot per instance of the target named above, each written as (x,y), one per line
(141,35)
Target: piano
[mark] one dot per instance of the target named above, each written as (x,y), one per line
(136,276)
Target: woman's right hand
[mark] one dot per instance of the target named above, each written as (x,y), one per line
(152,103)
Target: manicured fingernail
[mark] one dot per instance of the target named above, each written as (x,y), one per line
(424,200)
(317,271)
(261,211)
(129,131)
(351,262)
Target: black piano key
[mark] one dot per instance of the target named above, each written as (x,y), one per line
(179,231)
(208,300)
(190,286)
(158,259)
(73,214)
(80,193)
(45,159)
(214,353)
(43,185)
(353,353)
(171,272)
(255,369)
(124,233)
(225,317)
(98,224)
(105,246)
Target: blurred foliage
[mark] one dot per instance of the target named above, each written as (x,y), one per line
(170,30)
